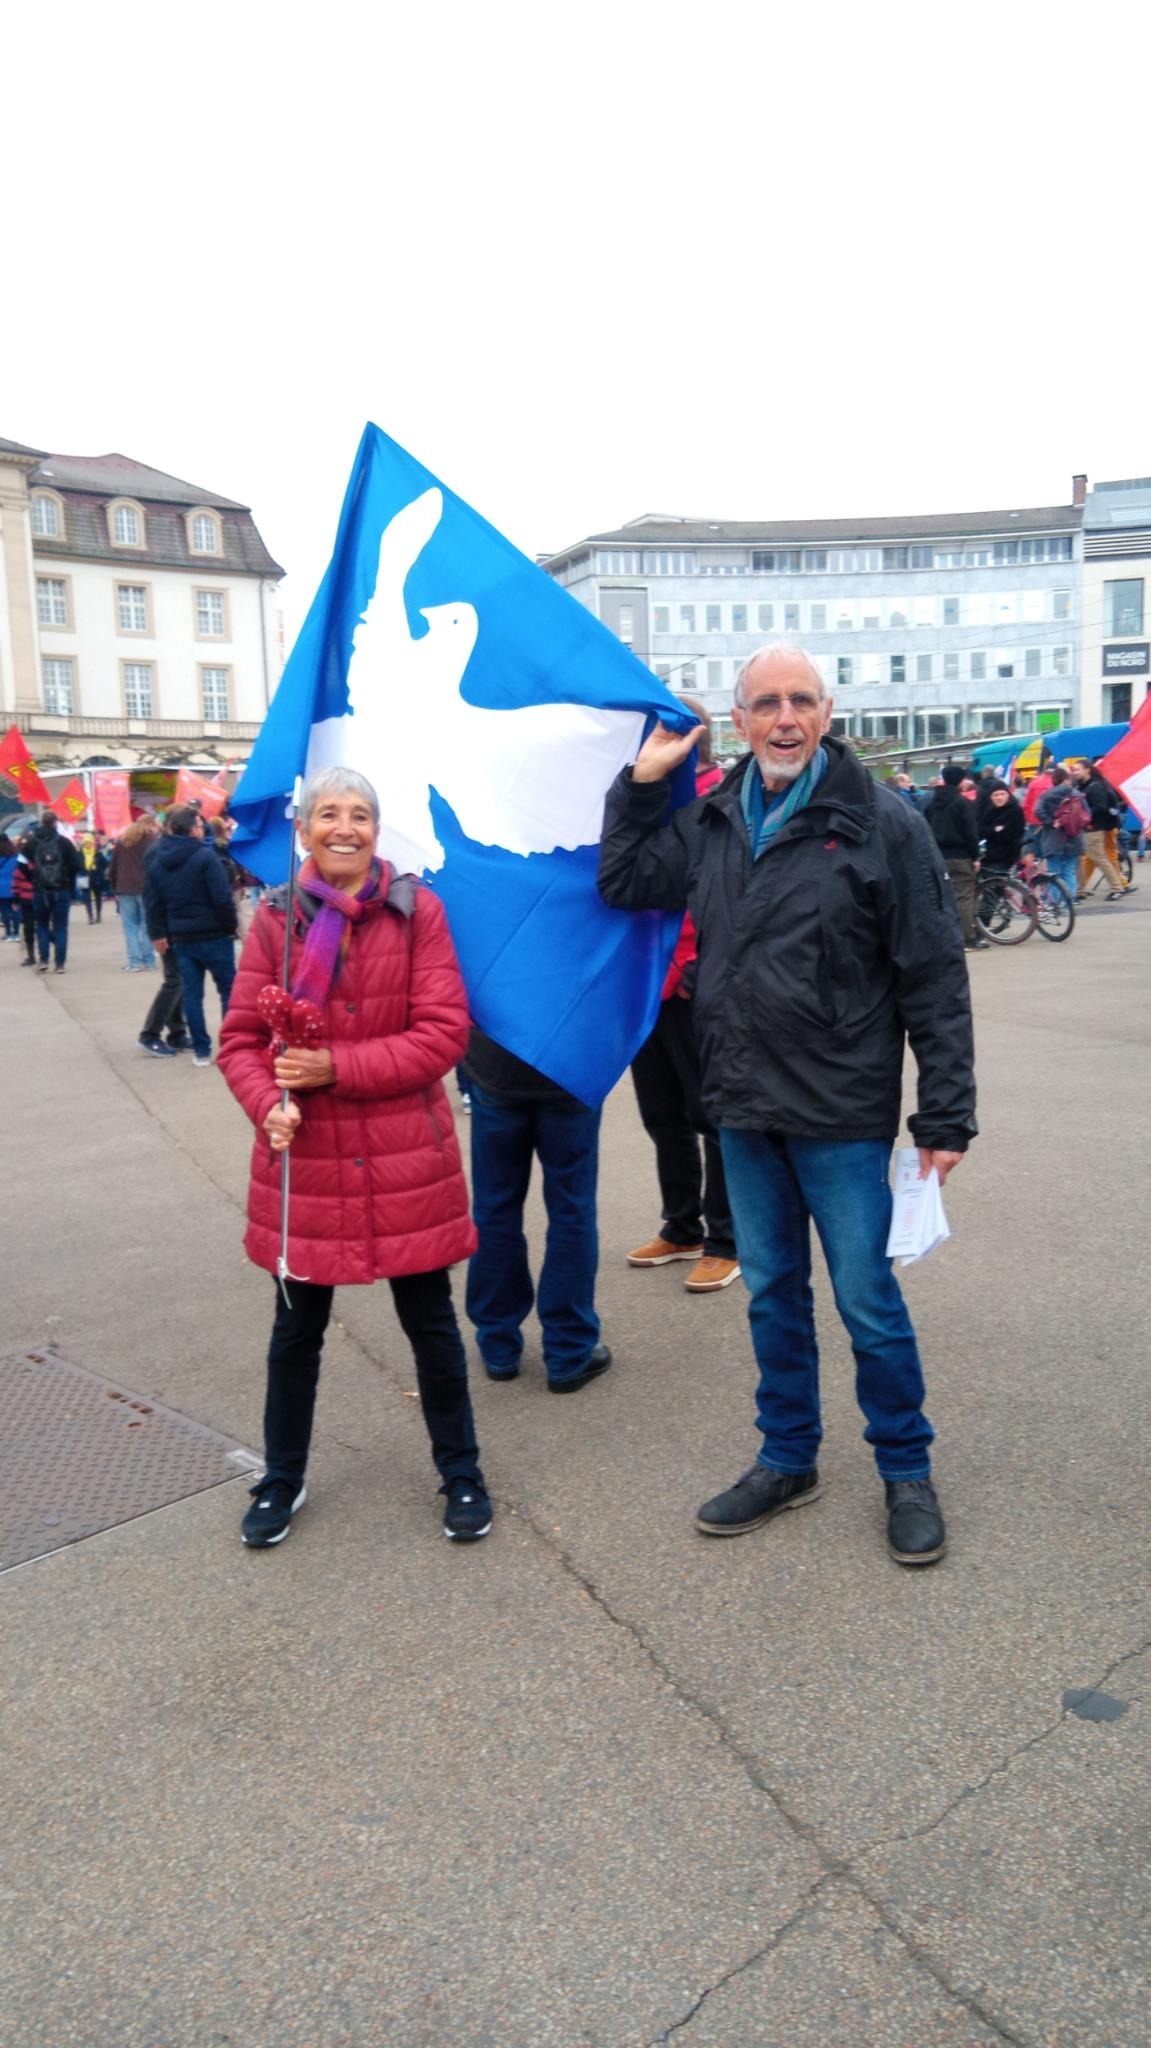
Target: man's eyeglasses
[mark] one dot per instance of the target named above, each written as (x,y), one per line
(801,701)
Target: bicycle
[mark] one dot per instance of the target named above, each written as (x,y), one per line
(1007,911)
(1056,901)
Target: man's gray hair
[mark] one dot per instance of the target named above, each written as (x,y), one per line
(776,650)
(336,782)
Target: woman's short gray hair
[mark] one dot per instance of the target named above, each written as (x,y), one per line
(336,782)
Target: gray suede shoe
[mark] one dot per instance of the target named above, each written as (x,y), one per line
(760,1494)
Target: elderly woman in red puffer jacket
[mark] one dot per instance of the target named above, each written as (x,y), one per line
(377,1188)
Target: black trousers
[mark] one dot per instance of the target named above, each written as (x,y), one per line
(167,1008)
(666,1074)
(28,929)
(424,1307)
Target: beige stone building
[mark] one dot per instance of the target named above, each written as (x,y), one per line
(139,619)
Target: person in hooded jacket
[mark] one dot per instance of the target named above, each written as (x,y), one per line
(57,863)
(953,822)
(1002,824)
(189,905)
(377,1186)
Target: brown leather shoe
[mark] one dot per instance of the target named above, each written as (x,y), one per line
(712,1274)
(660,1253)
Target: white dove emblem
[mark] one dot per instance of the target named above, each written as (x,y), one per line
(528,780)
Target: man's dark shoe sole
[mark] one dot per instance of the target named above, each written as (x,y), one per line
(780,1507)
(917,1557)
(597,1363)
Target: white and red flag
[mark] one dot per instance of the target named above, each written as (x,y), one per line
(1128,765)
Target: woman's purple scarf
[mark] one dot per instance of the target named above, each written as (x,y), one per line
(330,933)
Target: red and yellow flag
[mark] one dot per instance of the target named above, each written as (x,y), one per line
(72,802)
(17,764)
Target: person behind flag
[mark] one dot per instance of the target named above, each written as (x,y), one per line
(374,1017)
(517,1115)
(57,864)
(696,1222)
(827,937)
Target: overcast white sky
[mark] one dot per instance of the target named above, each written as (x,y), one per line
(584,262)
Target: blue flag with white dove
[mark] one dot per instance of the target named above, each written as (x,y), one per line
(491,711)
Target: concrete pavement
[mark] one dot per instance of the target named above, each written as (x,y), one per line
(597,1783)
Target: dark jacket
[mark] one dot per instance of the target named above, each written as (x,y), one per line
(1104,803)
(186,893)
(1003,827)
(503,1074)
(125,876)
(815,960)
(72,861)
(952,819)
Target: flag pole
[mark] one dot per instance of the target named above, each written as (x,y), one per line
(283,1270)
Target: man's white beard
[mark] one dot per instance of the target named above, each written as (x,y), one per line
(783,771)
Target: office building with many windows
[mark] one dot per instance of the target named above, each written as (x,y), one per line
(1116,590)
(139,620)
(926,629)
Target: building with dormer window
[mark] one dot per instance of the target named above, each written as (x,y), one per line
(139,617)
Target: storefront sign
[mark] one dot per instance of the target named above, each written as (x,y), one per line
(1132,659)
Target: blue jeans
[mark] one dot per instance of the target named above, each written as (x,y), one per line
(10,916)
(52,907)
(778,1186)
(1066,866)
(198,957)
(136,938)
(505,1136)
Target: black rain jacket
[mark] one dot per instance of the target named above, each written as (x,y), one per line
(814,961)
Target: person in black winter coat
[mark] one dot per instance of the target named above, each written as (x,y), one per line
(1003,826)
(56,863)
(952,820)
(827,939)
(190,906)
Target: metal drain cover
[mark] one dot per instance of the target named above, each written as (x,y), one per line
(79,1454)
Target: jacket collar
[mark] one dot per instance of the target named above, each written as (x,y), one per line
(844,801)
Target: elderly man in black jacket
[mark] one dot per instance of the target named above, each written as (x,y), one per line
(190,906)
(827,936)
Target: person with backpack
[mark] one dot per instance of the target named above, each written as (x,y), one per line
(1106,808)
(56,863)
(1062,818)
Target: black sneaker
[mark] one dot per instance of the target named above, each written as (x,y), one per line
(597,1363)
(915,1531)
(760,1494)
(468,1514)
(269,1519)
(178,1044)
(157,1046)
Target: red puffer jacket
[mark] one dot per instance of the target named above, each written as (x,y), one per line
(377,1188)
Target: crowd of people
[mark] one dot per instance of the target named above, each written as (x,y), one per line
(1071,818)
(824,921)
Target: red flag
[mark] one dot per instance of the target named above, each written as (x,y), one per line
(210,797)
(113,801)
(72,802)
(17,764)
(1128,765)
